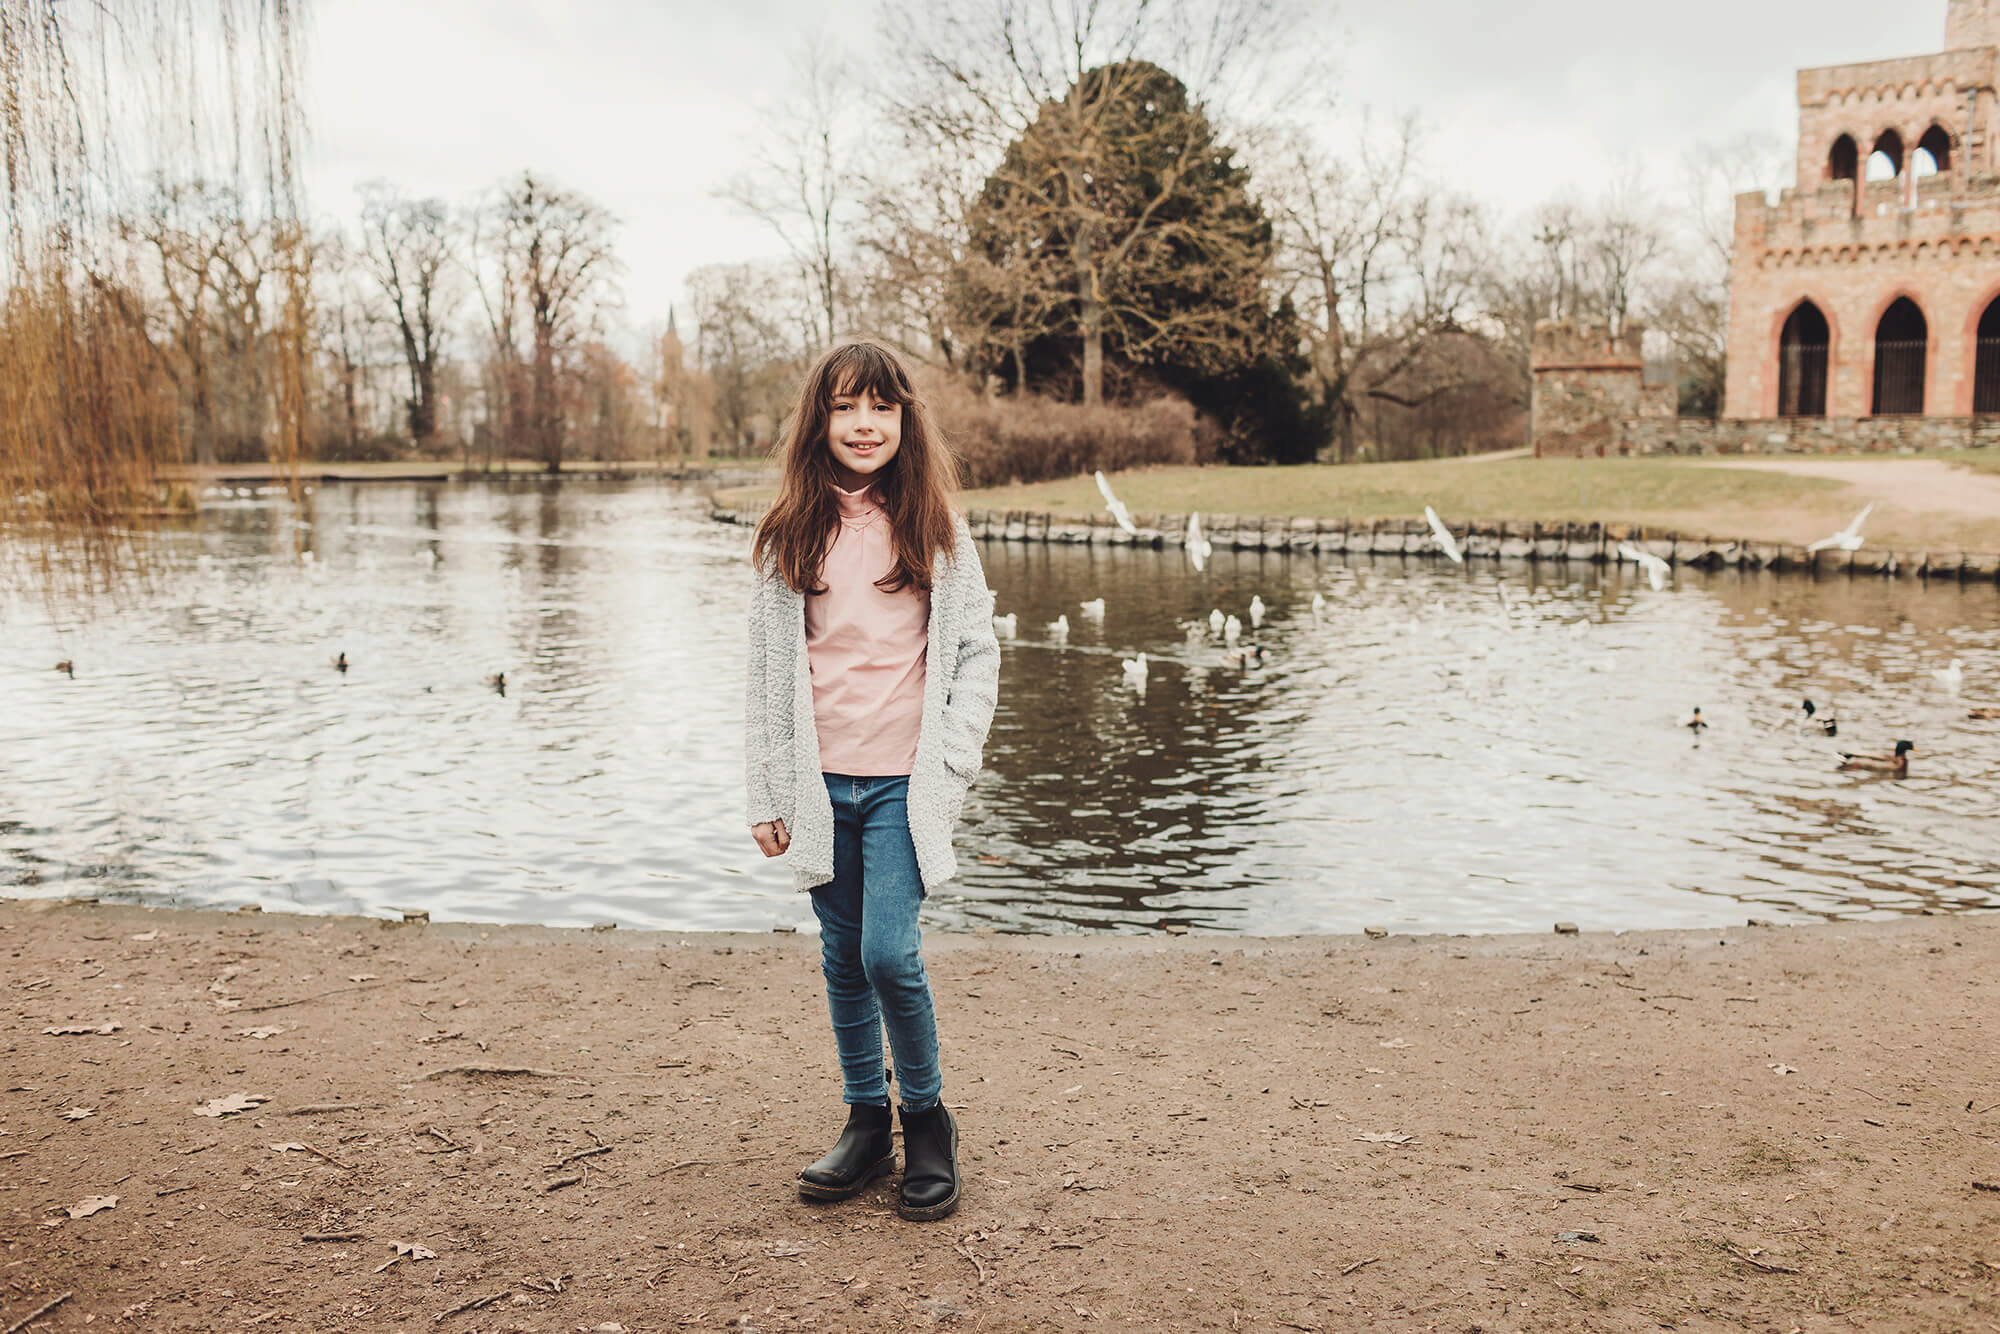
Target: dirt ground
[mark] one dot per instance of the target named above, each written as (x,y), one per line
(1917,485)
(1759,1128)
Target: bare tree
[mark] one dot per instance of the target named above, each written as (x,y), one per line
(1623,242)
(745,320)
(543,265)
(410,249)
(804,183)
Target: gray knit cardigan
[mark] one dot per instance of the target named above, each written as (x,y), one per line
(961,687)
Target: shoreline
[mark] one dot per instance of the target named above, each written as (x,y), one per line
(1793,1127)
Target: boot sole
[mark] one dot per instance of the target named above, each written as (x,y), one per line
(812,1190)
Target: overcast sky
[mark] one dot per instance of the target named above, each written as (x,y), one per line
(645,107)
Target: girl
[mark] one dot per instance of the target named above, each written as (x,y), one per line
(872,679)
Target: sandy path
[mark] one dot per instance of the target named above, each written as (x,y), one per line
(1918,485)
(1771,1129)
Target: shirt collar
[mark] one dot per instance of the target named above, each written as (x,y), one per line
(856,504)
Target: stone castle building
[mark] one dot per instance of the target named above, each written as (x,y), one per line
(1864,305)
(1868,289)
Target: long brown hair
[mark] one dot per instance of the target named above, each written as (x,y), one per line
(914,489)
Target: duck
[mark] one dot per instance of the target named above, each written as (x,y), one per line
(1249,655)
(497,682)
(340,661)
(1094,608)
(1005,626)
(1897,764)
(1696,723)
(1985,714)
(67,668)
(1825,722)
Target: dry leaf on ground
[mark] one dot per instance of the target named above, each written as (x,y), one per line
(64,1030)
(235,1102)
(91,1204)
(78,1113)
(1384,1137)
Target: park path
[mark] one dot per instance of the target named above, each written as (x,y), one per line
(1920,485)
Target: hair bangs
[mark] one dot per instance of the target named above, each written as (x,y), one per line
(864,368)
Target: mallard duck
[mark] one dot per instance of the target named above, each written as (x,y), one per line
(67,668)
(1696,723)
(1898,764)
(340,661)
(1825,722)
(1248,655)
(497,682)
(1985,714)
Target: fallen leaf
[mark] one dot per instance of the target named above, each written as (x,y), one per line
(362,977)
(268,1031)
(78,1113)
(1394,1043)
(1384,1137)
(1785,1069)
(784,1250)
(414,1251)
(91,1204)
(1579,1236)
(66,1029)
(154,934)
(235,1102)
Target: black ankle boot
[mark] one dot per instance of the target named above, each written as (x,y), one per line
(865,1151)
(930,1164)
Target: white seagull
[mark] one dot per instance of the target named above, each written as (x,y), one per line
(1256,612)
(1446,542)
(1215,620)
(1093,609)
(1319,605)
(1115,505)
(1848,538)
(1198,547)
(1059,628)
(1655,568)
(1952,677)
(1006,625)
(1135,670)
(1232,630)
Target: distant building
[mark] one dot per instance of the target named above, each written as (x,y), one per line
(1869,289)
(1587,383)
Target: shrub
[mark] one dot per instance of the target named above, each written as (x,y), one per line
(999,440)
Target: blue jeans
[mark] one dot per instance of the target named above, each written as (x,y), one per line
(870,945)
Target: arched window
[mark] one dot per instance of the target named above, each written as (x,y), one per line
(1933,153)
(1900,340)
(1802,348)
(1843,163)
(1986,362)
(1885,162)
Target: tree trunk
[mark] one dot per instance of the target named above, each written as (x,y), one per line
(423,409)
(545,424)
(1090,318)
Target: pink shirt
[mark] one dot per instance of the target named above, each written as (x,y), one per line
(866,649)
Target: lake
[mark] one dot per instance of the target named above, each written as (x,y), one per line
(1438,750)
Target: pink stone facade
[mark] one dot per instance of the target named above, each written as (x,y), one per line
(1853,247)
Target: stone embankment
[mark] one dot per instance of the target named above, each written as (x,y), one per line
(1593,543)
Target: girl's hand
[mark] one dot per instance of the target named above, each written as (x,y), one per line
(771,837)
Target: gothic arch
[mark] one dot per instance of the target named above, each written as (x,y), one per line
(1843,160)
(1901,354)
(1981,359)
(1802,338)
(1933,151)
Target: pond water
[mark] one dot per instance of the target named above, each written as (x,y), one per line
(1438,750)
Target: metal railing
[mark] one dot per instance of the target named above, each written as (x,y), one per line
(1802,380)
(1986,376)
(1899,377)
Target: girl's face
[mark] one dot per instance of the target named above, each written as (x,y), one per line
(862,432)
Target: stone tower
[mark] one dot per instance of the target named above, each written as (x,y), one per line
(1972,23)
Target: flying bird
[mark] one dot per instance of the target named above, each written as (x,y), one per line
(1115,505)
(1655,568)
(1446,542)
(1198,547)
(1848,538)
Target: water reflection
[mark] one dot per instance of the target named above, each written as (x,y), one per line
(1427,754)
